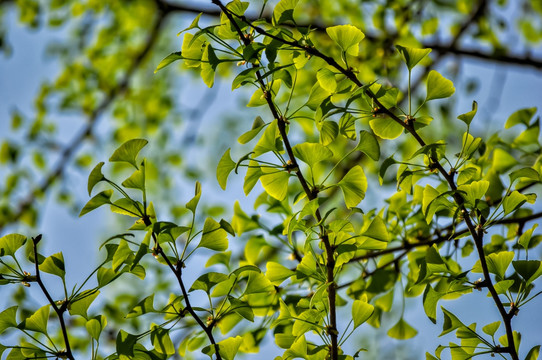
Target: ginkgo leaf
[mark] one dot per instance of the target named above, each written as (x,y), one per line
(275,182)
(386,128)
(361,312)
(347,37)
(98,200)
(412,56)
(213,236)
(438,87)
(368,144)
(312,153)
(353,186)
(467,117)
(224,168)
(326,79)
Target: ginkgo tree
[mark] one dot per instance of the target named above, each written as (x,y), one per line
(320,144)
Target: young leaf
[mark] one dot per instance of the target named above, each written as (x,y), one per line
(257,126)
(8,319)
(402,330)
(213,237)
(497,263)
(98,200)
(513,201)
(377,230)
(209,62)
(312,153)
(492,328)
(37,321)
(386,128)
(347,37)
(361,312)
(137,179)
(168,60)
(412,56)
(96,325)
(80,305)
(128,151)
(254,172)
(368,144)
(522,116)
(326,79)
(161,341)
(275,182)
(277,273)
(430,300)
(524,173)
(533,353)
(224,168)
(467,117)
(193,203)
(353,186)
(328,132)
(207,281)
(451,322)
(95,177)
(438,87)
(54,264)
(284,11)
(125,343)
(10,243)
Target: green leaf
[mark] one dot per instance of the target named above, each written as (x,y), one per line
(306,321)
(513,201)
(528,269)
(257,283)
(209,63)
(193,25)
(98,200)
(361,312)
(37,321)
(128,151)
(402,331)
(193,203)
(524,173)
(277,273)
(438,87)
(8,319)
(474,191)
(258,98)
(128,207)
(467,117)
(503,160)
(275,182)
(451,322)
(347,37)
(96,325)
(368,144)
(384,167)
(241,308)
(213,237)
(430,300)
(347,126)
(161,341)
(492,328)
(284,11)
(54,264)
(228,348)
(525,238)
(95,177)
(122,253)
(168,60)
(328,132)
(497,263)
(377,230)
(522,116)
(412,56)
(224,168)
(326,79)
(125,343)
(10,243)
(252,176)
(353,186)
(137,179)
(533,353)
(270,140)
(386,128)
(145,306)
(192,50)
(80,305)
(207,281)
(312,153)
(257,126)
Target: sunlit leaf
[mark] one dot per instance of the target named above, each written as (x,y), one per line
(386,128)
(284,11)
(37,321)
(361,312)
(438,87)
(95,177)
(412,56)
(98,200)
(467,117)
(79,306)
(224,168)
(312,153)
(326,79)
(275,182)
(54,264)
(213,236)
(402,331)
(347,37)
(10,243)
(522,116)
(168,60)
(353,186)
(128,151)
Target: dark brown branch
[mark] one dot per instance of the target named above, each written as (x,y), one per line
(58,310)
(177,271)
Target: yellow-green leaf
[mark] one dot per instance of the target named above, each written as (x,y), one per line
(353,186)
(438,87)
(347,37)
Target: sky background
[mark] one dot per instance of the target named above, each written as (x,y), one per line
(22,73)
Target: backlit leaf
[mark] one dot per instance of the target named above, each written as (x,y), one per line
(54,264)
(353,186)
(128,151)
(224,168)
(402,331)
(326,79)
(168,60)
(368,144)
(37,321)
(361,312)
(438,87)
(386,128)
(98,200)
(312,153)
(412,56)
(522,116)
(10,243)
(347,37)
(275,182)
(467,117)
(213,236)
(95,177)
